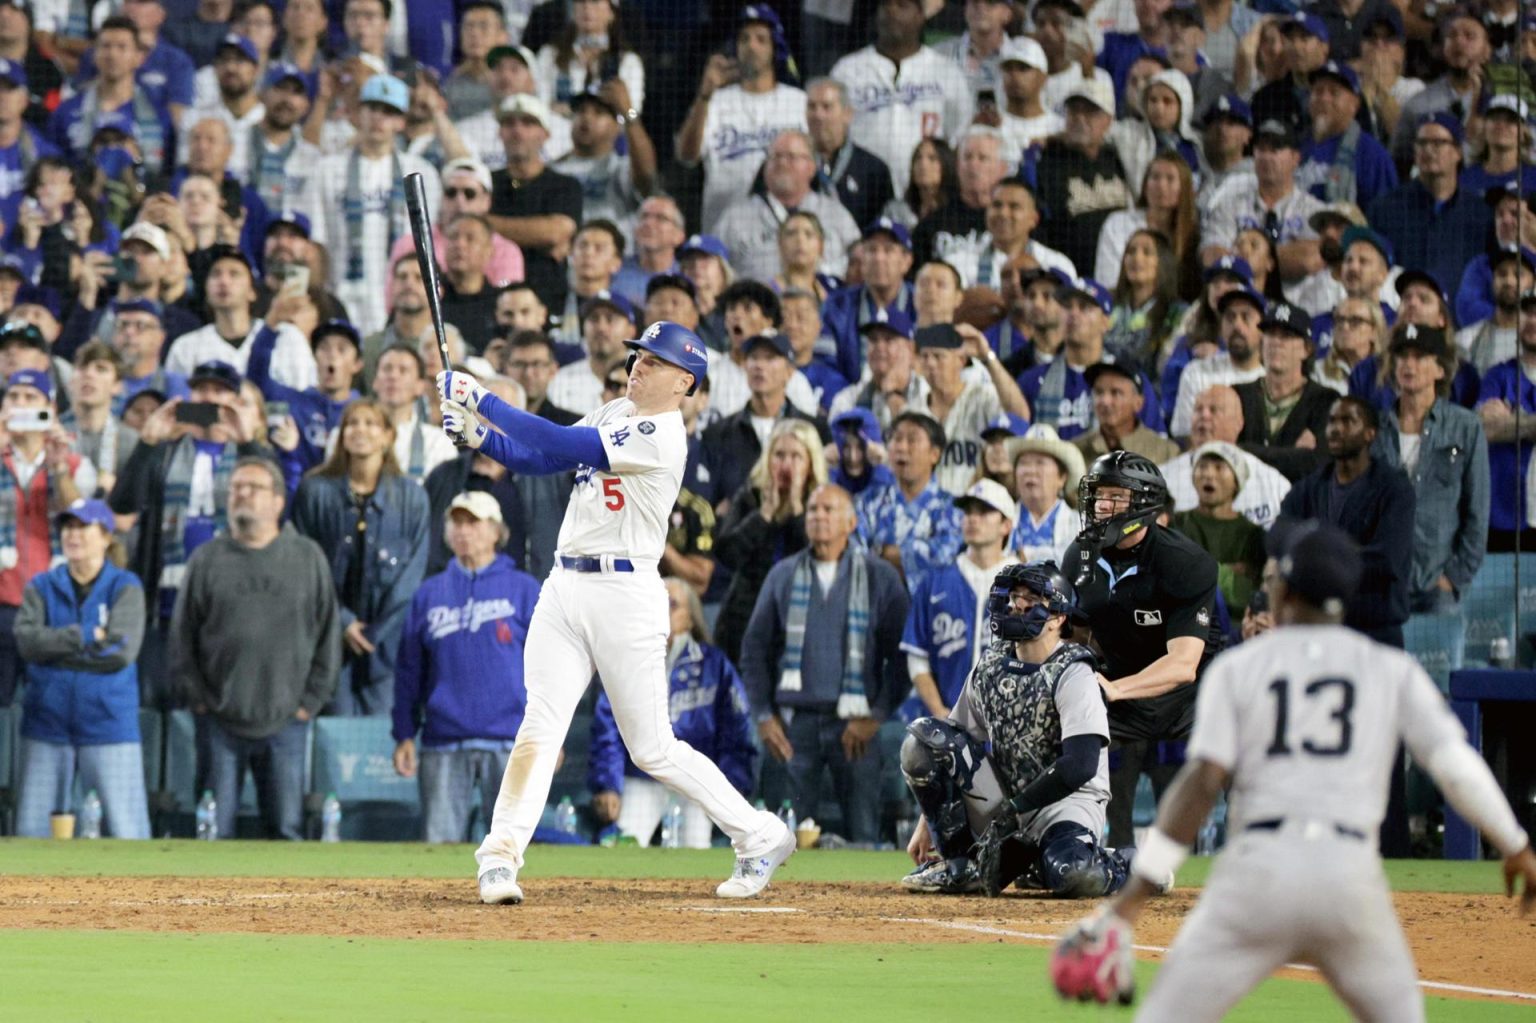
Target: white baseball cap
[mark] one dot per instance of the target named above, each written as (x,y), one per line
(992,494)
(479,504)
(526,104)
(469,165)
(1094,91)
(151,235)
(1023,50)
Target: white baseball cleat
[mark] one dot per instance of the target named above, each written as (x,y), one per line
(498,887)
(753,872)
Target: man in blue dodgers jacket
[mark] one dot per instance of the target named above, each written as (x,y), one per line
(459,672)
(946,624)
(708,708)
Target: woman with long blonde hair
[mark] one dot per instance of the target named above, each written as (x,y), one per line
(766,521)
(372,522)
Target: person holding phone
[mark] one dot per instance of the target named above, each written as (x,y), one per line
(41,477)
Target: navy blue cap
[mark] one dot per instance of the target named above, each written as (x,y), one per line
(1318,562)
(759,13)
(216,372)
(14,263)
(1447,120)
(235,41)
(342,327)
(1308,23)
(1338,71)
(939,335)
(1005,424)
(1388,14)
(291,218)
(1246,293)
(1292,319)
(1230,266)
(1090,289)
(281,71)
(1370,237)
(897,321)
(1127,368)
(1231,107)
(1423,277)
(609,300)
(37,378)
(1508,252)
(138,305)
(678,281)
(769,339)
(894,228)
(39,295)
(89,512)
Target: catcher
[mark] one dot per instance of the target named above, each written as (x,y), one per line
(1037,798)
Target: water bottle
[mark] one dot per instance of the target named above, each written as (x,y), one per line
(330,818)
(565,816)
(1500,654)
(787,815)
(759,805)
(207,817)
(90,816)
(672,827)
(1205,844)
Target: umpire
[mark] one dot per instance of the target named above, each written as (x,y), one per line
(1149,595)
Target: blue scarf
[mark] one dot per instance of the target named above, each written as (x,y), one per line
(851,701)
(352,209)
(178,496)
(147,128)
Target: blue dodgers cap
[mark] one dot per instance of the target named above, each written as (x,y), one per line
(860,420)
(1371,238)
(708,244)
(896,230)
(606,299)
(282,71)
(674,343)
(89,512)
(386,90)
(1005,424)
(138,305)
(1447,120)
(12,71)
(1318,562)
(38,295)
(236,41)
(291,218)
(1307,22)
(115,120)
(333,327)
(1231,107)
(1230,266)
(35,378)
(1246,293)
(10,261)
(759,13)
(1339,72)
(216,372)
(897,322)
(770,338)
(1090,289)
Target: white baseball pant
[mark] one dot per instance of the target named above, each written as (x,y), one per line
(616,622)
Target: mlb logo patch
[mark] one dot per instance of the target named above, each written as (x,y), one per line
(1203,618)
(647,427)
(1150,617)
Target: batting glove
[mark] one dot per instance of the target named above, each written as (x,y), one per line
(460,388)
(1095,962)
(462,426)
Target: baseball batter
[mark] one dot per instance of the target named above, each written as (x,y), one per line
(1303,723)
(604,606)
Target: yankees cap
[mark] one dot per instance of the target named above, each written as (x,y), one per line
(1319,562)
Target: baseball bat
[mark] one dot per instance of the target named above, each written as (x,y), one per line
(426,256)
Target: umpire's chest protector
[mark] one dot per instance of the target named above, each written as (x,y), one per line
(1018,703)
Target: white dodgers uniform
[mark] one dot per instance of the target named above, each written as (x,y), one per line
(604,607)
(1307,719)
(897,106)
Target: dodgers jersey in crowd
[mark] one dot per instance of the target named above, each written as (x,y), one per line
(947,624)
(896,106)
(1307,719)
(626,515)
(739,126)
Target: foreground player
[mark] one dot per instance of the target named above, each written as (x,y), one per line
(1037,799)
(604,605)
(1303,723)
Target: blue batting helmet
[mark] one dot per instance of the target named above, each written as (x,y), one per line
(674,343)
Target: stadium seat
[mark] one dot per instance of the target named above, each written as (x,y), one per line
(152,740)
(354,758)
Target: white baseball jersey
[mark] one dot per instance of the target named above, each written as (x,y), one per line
(624,511)
(293,363)
(1258,501)
(1200,374)
(739,126)
(976,406)
(897,106)
(1308,718)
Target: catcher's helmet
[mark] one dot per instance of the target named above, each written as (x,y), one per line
(674,343)
(1042,578)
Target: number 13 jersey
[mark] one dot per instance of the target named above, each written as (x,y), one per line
(1308,717)
(624,511)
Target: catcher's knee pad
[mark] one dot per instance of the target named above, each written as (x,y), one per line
(936,759)
(1074,866)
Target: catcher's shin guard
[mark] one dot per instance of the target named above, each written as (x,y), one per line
(1074,866)
(939,762)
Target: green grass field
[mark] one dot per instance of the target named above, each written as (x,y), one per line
(124,975)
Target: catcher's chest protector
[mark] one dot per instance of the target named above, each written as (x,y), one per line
(1019,707)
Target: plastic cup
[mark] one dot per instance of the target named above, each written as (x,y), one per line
(63,825)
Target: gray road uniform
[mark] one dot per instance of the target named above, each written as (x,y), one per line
(1308,719)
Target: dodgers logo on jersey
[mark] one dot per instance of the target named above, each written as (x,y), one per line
(647,428)
(619,436)
(1149,617)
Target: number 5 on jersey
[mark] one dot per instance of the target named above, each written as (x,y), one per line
(613,497)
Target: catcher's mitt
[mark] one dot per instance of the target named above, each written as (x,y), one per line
(990,866)
(1094,962)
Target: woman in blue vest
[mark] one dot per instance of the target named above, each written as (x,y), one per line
(78,631)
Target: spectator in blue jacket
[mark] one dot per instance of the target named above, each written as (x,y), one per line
(708,708)
(371,520)
(78,631)
(316,410)
(459,671)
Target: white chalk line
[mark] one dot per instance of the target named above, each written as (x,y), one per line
(741,909)
(955,925)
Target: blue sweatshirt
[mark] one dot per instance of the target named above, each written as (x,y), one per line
(459,671)
(708,709)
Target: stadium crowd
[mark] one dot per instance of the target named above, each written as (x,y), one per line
(948,259)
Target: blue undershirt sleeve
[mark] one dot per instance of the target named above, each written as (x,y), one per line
(567,446)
